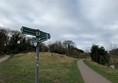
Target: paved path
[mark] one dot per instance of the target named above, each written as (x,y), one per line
(4,58)
(90,76)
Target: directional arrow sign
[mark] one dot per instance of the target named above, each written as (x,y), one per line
(29,31)
(46,35)
(42,34)
(42,39)
(38,40)
(33,32)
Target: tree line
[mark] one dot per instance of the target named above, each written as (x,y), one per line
(13,42)
(101,56)
(114,57)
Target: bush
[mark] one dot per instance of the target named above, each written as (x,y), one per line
(102,60)
(99,55)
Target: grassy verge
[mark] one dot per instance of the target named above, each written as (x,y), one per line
(52,69)
(111,74)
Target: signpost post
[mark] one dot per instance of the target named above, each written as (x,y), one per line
(40,36)
(37,57)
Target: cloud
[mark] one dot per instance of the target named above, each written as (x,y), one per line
(86,22)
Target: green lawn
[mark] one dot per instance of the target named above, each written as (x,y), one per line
(52,69)
(111,74)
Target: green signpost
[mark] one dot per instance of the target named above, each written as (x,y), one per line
(40,36)
(28,31)
(41,39)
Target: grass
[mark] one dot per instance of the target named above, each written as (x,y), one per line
(52,69)
(111,74)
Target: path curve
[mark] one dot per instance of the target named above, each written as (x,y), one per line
(90,76)
(4,58)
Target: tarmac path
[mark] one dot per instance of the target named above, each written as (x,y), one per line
(4,58)
(90,76)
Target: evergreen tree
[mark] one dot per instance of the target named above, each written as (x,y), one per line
(98,54)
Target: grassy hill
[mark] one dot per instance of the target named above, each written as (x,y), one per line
(52,69)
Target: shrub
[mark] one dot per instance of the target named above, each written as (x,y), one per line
(99,55)
(102,60)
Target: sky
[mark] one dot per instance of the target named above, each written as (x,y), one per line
(85,22)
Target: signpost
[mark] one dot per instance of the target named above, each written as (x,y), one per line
(41,39)
(40,36)
(28,31)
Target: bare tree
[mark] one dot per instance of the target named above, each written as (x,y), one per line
(68,44)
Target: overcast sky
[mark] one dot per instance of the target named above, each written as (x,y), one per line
(85,22)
